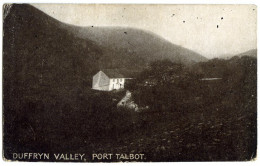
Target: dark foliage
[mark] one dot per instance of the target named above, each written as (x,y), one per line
(200,119)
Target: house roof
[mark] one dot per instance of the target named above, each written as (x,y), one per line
(113,73)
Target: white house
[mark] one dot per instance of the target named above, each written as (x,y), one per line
(108,79)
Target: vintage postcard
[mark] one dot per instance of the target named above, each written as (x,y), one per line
(129,82)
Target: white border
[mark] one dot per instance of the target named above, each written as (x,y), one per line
(256,2)
(138,1)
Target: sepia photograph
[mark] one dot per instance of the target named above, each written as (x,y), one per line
(129,82)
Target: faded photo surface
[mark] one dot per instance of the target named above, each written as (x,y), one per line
(131,83)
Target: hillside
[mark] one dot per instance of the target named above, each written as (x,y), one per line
(251,53)
(54,52)
(42,57)
(137,43)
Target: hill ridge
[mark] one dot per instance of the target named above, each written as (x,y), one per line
(135,40)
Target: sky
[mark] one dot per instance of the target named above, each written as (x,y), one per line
(210,30)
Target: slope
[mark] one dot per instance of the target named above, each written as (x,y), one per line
(142,44)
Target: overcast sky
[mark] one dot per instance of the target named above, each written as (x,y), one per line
(211,30)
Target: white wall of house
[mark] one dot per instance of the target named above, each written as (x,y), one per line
(116,83)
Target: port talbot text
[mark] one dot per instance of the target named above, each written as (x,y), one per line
(117,156)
